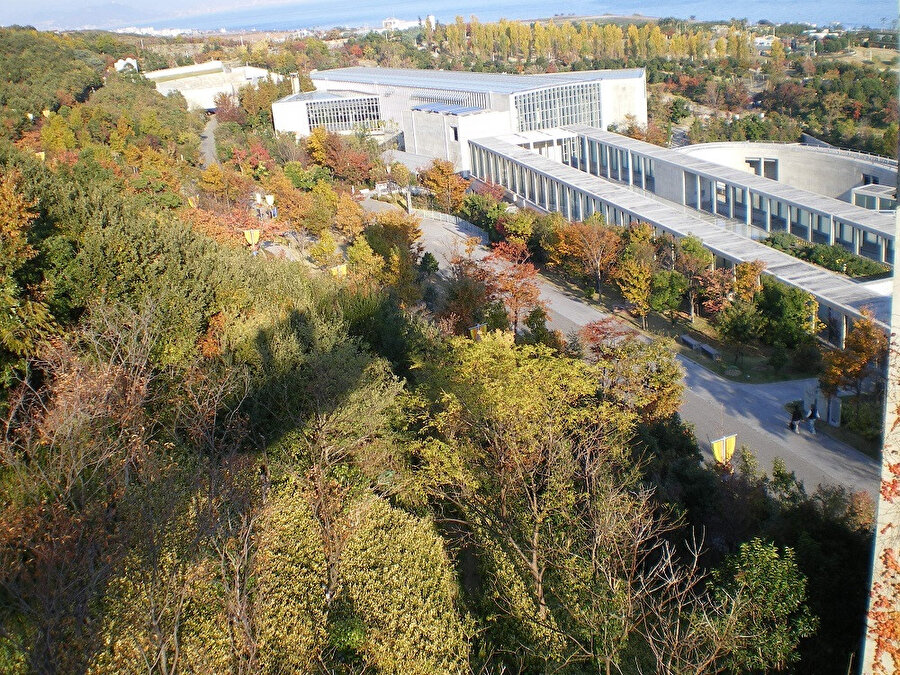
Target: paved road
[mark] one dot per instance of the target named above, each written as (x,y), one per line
(208,142)
(713,404)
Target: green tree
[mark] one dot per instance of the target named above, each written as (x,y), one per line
(667,291)
(692,259)
(771,617)
(738,325)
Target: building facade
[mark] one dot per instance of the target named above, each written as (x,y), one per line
(439,111)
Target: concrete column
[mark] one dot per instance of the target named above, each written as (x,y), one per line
(684,188)
(699,196)
(885,249)
(748,207)
(830,232)
(643,173)
(768,202)
(630,168)
(809,224)
(857,240)
(714,197)
(729,196)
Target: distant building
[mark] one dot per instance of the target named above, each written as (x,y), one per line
(764,43)
(439,111)
(202,82)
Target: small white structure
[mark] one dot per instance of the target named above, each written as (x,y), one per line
(202,82)
(126,64)
(444,130)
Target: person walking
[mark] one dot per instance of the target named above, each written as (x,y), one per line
(796,419)
(812,417)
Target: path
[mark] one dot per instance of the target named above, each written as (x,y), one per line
(713,404)
(208,142)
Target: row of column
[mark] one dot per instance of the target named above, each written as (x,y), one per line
(634,168)
(551,194)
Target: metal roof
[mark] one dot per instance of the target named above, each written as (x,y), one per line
(322,96)
(867,220)
(452,80)
(828,287)
(448,109)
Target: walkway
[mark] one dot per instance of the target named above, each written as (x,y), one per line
(714,405)
(208,143)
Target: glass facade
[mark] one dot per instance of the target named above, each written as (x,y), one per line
(558,106)
(345,114)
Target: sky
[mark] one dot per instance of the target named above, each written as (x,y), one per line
(70,13)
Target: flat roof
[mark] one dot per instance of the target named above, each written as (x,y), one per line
(500,83)
(323,96)
(831,289)
(865,219)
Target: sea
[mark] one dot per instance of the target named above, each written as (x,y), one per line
(879,14)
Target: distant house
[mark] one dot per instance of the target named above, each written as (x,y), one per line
(126,64)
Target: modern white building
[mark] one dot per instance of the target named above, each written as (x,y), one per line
(580,170)
(440,111)
(202,82)
(302,112)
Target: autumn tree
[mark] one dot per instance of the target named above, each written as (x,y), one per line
(692,259)
(511,279)
(446,186)
(634,278)
(738,325)
(592,245)
(746,279)
(25,317)
(349,219)
(864,347)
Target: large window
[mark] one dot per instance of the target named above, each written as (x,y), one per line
(557,106)
(345,114)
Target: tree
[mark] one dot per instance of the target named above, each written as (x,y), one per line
(634,279)
(315,145)
(511,279)
(594,246)
(365,266)
(864,345)
(746,279)
(349,219)
(445,185)
(738,325)
(692,259)
(769,591)
(24,317)
(324,250)
(667,291)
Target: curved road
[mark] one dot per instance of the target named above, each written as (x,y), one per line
(714,405)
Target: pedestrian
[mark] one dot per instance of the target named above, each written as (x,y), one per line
(811,418)
(796,418)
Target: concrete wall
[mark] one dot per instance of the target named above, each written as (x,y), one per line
(431,134)
(826,172)
(621,98)
(290,116)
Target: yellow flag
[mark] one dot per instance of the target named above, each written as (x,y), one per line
(723,448)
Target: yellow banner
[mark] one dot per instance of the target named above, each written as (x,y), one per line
(252,236)
(723,448)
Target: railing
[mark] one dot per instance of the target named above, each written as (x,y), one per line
(461,223)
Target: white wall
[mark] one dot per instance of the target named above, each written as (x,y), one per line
(621,98)
(824,172)
(291,116)
(431,134)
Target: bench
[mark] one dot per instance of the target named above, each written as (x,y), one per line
(710,352)
(690,342)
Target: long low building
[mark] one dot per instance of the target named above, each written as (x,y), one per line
(687,179)
(539,181)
